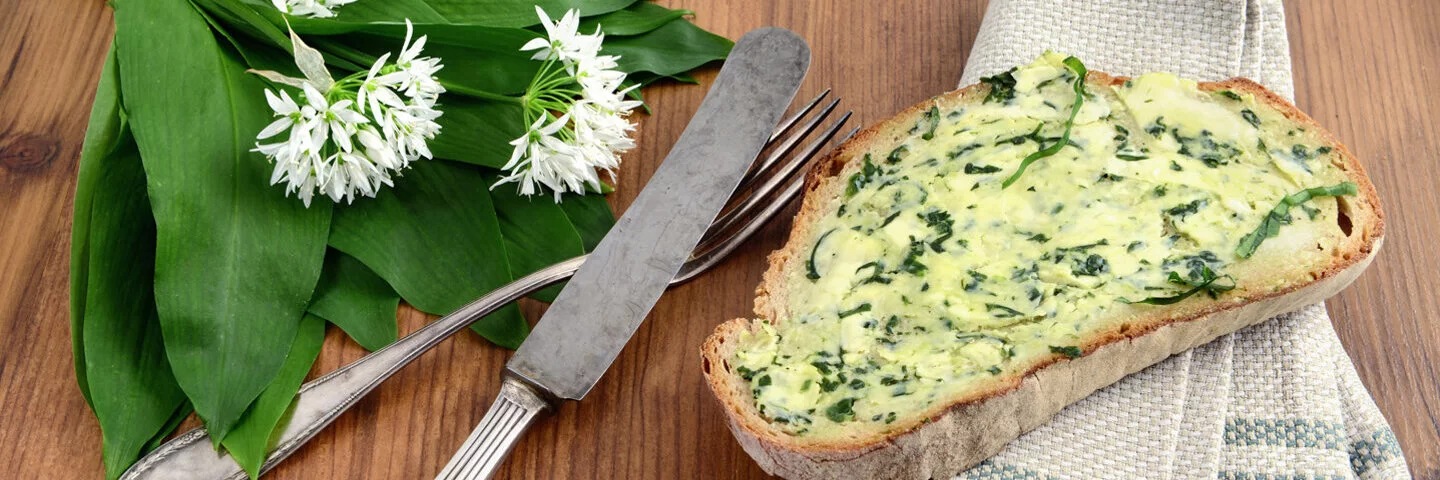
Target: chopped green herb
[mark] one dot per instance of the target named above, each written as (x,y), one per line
(863,178)
(1080,73)
(1070,351)
(864,307)
(1183,210)
(1250,117)
(1229,94)
(1001,311)
(890,324)
(912,264)
(1280,215)
(1093,266)
(976,278)
(841,410)
(889,219)
(1157,127)
(942,223)
(973,169)
(932,120)
(1002,86)
(898,154)
(810,271)
(1206,283)
(877,270)
(746,373)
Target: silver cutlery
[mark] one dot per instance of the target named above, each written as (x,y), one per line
(767,188)
(592,319)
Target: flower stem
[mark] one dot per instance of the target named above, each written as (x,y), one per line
(481,94)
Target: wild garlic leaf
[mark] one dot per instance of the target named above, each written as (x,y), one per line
(436,239)
(676,47)
(250,440)
(101,136)
(591,217)
(1207,282)
(1080,72)
(638,18)
(477,131)
(537,233)
(354,298)
(235,262)
(1280,215)
(128,375)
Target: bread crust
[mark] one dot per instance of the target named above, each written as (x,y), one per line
(959,433)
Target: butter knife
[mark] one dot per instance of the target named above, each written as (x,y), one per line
(594,316)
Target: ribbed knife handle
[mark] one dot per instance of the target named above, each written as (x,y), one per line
(515,409)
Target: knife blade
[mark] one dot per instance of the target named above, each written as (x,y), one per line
(594,316)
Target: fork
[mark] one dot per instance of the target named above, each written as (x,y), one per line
(767,187)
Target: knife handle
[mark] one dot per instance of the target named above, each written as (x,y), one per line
(516,407)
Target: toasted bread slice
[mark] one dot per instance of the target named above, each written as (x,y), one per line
(971,415)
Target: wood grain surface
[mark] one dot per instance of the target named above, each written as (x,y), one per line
(1367,70)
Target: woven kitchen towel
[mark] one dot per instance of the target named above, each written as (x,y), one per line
(1279,400)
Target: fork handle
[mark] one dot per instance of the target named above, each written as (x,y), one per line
(319,402)
(515,409)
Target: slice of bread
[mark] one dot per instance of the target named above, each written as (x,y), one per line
(968,420)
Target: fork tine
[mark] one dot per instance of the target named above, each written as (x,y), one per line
(761,168)
(759,195)
(790,121)
(713,254)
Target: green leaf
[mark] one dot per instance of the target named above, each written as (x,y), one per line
(178,416)
(1070,351)
(252,437)
(635,19)
(509,13)
(476,58)
(1280,215)
(477,131)
(435,239)
(357,300)
(235,260)
(101,136)
(676,47)
(133,391)
(1080,72)
(491,13)
(591,217)
(1206,283)
(537,233)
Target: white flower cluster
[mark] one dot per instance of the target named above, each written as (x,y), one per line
(310,8)
(575,109)
(348,137)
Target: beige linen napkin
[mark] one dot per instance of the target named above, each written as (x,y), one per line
(1279,400)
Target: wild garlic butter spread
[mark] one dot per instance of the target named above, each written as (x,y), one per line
(929,276)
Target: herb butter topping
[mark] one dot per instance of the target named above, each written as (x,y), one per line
(932,275)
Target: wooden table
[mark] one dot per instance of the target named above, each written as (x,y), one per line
(1367,70)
